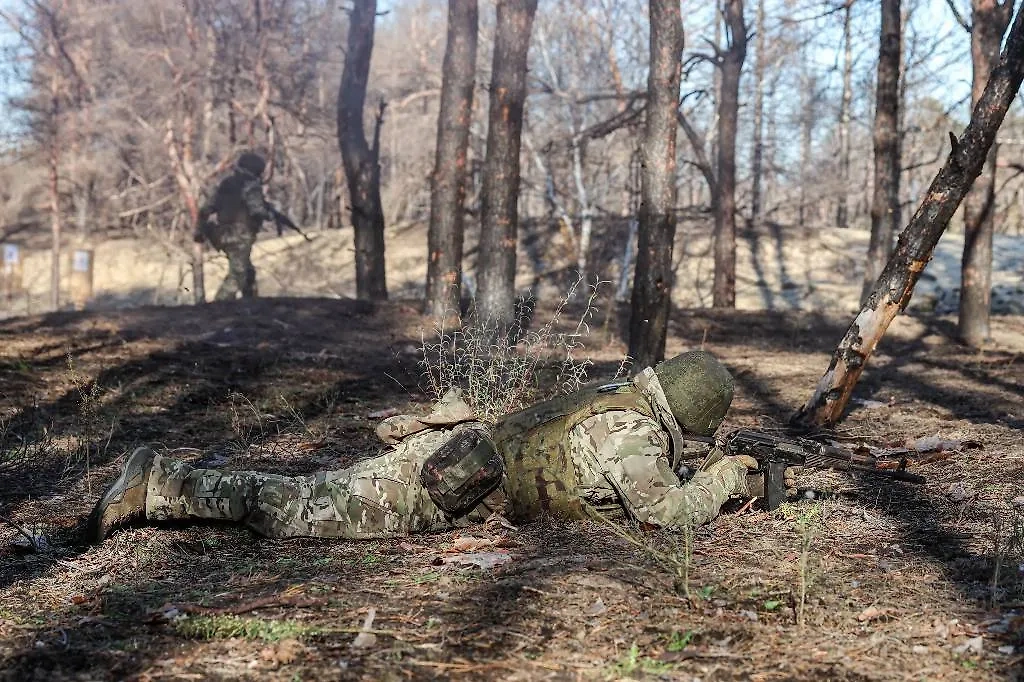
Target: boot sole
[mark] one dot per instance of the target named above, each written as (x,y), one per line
(135,465)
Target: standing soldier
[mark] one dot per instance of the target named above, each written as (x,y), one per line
(608,446)
(241,211)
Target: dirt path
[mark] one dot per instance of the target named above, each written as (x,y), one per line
(879,582)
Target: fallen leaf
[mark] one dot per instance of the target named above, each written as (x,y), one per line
(972,646)
(597,608)
(366,639)
(78,599)
(383,414)
(873,613)
(283,652)
(484,560)
(471,544)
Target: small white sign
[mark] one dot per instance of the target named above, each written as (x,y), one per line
(11,255)
(80,261)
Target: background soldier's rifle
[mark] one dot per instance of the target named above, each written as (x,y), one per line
(282,221)
(775,454)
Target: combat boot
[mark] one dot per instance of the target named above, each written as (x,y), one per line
(124,500)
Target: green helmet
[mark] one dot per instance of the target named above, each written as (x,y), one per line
(698,388)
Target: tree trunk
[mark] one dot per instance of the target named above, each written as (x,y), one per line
(989,22)
(724,289)
(499,213)
(758,160)
(895,286)
(652,281)
(361,160)
(448,195)
(885,202)
(842,211)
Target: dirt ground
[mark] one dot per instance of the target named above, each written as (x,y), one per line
(879,581)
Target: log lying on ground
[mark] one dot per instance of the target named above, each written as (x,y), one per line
(894,287)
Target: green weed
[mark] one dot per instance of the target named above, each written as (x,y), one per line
(226,627)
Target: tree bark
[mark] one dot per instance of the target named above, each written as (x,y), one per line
(724,288)
(499,213)
(895,286)
(989,21)
(652,280)
(448,195)
(842,210)
(885,202)
(361,160)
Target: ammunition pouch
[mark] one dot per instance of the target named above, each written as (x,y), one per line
(462,472)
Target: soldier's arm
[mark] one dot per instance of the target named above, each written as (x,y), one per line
(632,452)
(255,204)
(208,208)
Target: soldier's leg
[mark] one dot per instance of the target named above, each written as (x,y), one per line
(234,278)
(247,277)
(380,497)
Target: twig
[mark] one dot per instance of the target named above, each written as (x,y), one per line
(31,538)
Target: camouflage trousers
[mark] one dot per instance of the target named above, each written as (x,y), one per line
(241,276)
(376,498)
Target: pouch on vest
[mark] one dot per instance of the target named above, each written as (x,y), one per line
(462,472)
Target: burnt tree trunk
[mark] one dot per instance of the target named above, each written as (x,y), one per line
(652,280)
(885,202)
(361,159)
(895,286)
(724,289)
(989,21)
(445,236)
(499,212)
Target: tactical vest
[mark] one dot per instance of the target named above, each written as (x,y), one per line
(534,445)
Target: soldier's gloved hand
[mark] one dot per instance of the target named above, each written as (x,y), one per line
(789,478)
(755,482)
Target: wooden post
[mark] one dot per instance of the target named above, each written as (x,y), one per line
(11,276)
(81,277)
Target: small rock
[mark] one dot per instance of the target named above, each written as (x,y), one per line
(1007,649)
(919,649)
(597,608)
(1018,502)
(749,615)
(958,492)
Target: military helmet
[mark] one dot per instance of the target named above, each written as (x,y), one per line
(252,163)
(699,390)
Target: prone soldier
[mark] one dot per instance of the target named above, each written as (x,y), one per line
(607,446)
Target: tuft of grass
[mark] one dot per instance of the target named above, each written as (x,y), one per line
(497,369)
(808,526)
(94,434)
(1008,552)
(632,663)
(226,627)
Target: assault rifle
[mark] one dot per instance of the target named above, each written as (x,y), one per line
(282,221)
(775,454)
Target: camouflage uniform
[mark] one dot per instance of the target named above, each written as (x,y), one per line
(614,459)
(241,211)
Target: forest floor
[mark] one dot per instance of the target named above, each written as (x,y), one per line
(878,582)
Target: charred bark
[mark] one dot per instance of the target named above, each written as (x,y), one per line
(445,236)
(885,202)
(724,288)
(895,285)
(652,280)
(360,158)
(989,21)
(499,212)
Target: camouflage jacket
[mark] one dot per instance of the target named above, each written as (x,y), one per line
(622,459)
(240,207)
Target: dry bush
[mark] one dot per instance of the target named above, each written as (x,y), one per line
(499,370)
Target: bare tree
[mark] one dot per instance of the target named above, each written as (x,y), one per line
(885,203)
(724,290)
(989,19)
(447,198)
(895,285)
(499,212)
(846,103)
(362,157)
(756,208)
(652,284)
